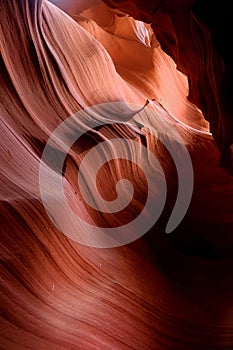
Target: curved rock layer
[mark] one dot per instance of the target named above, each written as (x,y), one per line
(180,29)
(161,291)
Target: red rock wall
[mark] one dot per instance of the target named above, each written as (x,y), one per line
(161,291)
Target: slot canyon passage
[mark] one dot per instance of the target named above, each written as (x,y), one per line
(156,75)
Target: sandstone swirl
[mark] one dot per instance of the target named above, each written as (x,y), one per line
(161,291)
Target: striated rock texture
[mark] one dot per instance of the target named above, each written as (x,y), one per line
(161,291)
(182,29)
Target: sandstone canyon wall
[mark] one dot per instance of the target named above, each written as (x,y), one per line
(164,67)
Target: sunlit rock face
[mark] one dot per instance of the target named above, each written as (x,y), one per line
(186,31)
(162,291)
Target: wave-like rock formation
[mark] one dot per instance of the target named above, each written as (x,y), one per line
(182,34)
(166,77)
